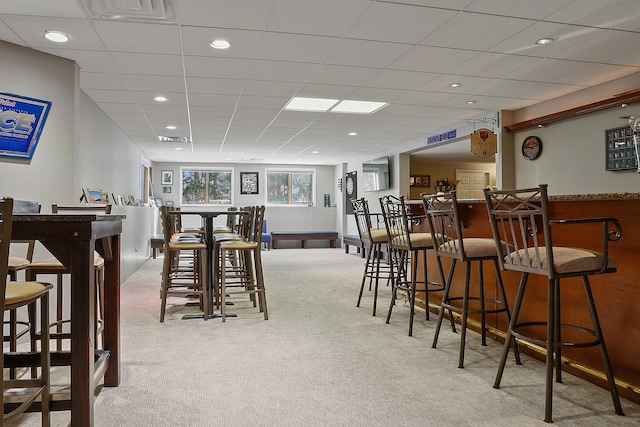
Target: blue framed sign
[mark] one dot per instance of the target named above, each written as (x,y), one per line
(21,122)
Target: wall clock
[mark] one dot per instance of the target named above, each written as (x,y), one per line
(351,191)
(531,147)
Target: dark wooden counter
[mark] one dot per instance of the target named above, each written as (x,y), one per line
(616,295)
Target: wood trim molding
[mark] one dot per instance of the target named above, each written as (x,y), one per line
(616,101)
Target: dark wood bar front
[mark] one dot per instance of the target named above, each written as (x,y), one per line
(616,295)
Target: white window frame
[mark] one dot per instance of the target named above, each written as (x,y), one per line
(208,169)
(290,170)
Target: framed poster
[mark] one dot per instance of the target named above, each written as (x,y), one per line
(249,183)
(22,119)
(167,178)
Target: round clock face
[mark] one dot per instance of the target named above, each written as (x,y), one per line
(531,147)
(349,186)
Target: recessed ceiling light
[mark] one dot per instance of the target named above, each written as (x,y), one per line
(471,102)
(358,107)
(454,85)
(353,133)
(178,148)
(624,105)
(310,104)
(160,99)
(544,41)
(172,127)
(314,152)
(220,44)
(56,36)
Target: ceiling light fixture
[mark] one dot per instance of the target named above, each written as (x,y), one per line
(353,133)
(220,44)
(315,152)
(358,107)
(471,102)
(455,85)
(178,148)
(171,127)
(160,99)
(56,36)
(310,104)
(544,41)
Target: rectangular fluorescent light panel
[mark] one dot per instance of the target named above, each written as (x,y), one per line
(358,107)
(310,104)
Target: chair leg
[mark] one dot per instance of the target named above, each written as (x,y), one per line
(551,334)
(512,325)
(465,314)
(445,298)
(503,295)
(603,349)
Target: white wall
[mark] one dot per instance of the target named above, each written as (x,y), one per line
(79,147)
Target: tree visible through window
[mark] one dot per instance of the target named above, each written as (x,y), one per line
(206,186)
(290,187)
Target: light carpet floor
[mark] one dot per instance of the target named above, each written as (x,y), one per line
(319,361)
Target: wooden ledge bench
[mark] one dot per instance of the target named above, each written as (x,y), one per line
(157,243)
(304,236)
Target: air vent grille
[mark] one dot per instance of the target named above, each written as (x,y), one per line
(157,11)
(181,139)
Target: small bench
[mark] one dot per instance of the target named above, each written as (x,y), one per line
(304,236)
(157,243)
(353,240)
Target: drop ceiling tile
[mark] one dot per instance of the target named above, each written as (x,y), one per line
(564,36)
(396,79)
(281,71)
(59,8)
(101,95)
(424,98)
(552,90)
(216,86)
(89,80)
(606,47)
(519,8)
(442,82)
(342,75)
(262,88)
(432,59)
(598,74)
(597,13)
(158,84)
(211,100)
(311,90)
(316,17)
(476,31)
(493,65)
(87,60)
(149,64)
(7,33)
(246,14)
(417,23)
(377,94)
(505,88)
(229,68)
(365,53)
(196,42)
(296,47)
(135,37)
(31,30)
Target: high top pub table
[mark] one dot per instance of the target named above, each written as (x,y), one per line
(72,238)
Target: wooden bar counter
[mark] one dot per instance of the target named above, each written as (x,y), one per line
(616,295)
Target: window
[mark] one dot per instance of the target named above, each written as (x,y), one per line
(290,187)
(203,186)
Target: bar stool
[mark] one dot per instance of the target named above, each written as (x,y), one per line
(250,257)
(179,279)
(375,238)
(446,228)
(13,295)
(521,219)
(53,266)
(405,243)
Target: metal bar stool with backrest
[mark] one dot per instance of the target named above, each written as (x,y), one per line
(19,395)
(407,245)
(446,228)
(52,265)
(521,219)
(374,238)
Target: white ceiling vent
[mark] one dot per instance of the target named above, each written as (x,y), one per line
(158,11)
(183,139)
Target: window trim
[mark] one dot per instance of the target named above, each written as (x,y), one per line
(314,173)
(207,169)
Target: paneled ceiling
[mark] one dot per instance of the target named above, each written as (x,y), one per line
(229,104)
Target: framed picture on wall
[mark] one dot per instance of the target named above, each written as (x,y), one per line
(167,178)
(249,183)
